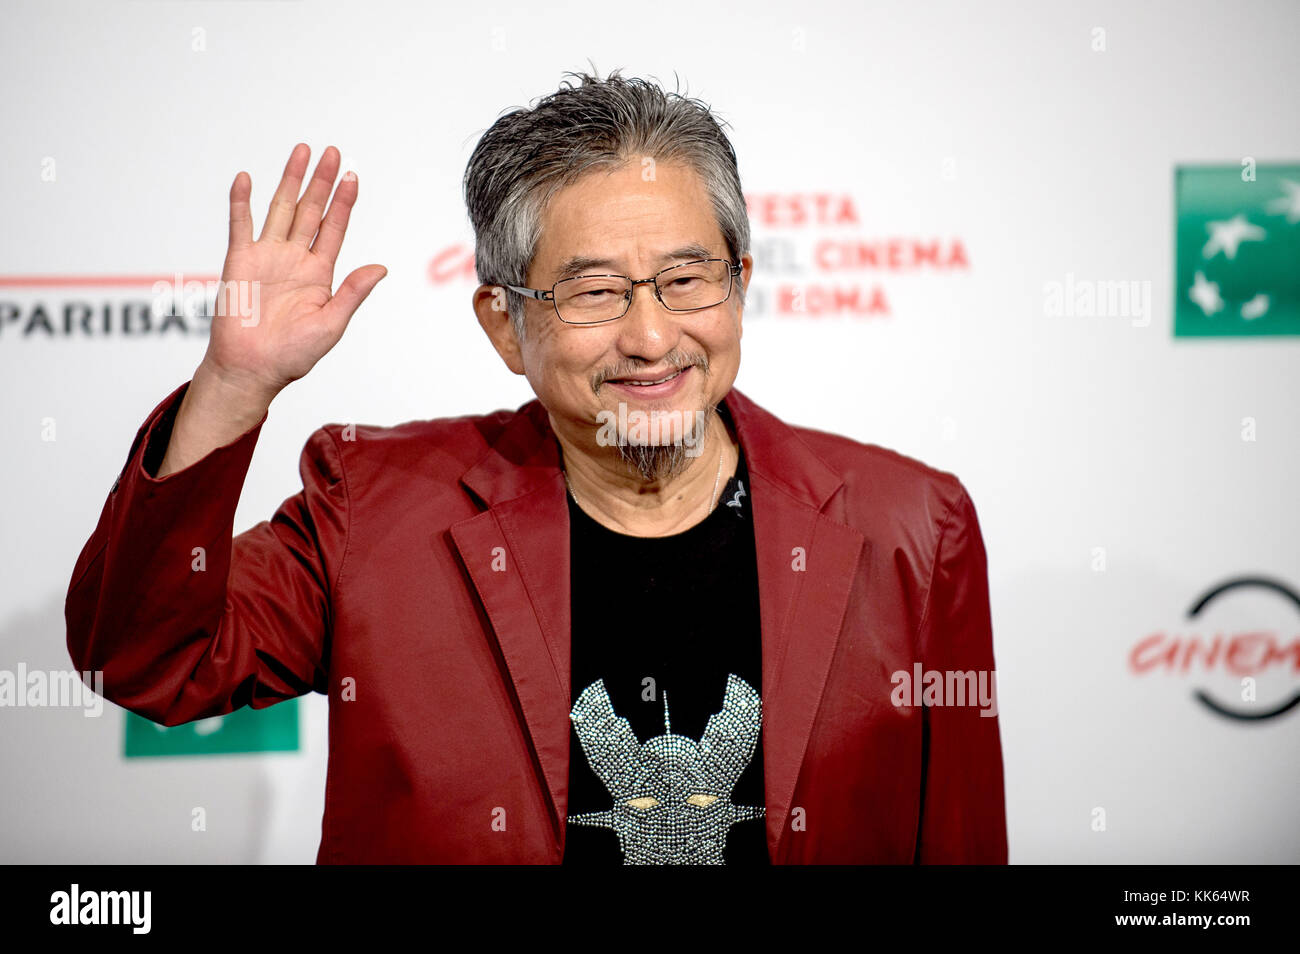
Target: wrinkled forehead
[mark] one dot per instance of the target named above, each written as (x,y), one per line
(626,219)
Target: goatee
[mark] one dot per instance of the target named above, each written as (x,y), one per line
(662,462)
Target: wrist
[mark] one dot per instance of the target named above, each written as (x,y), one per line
(235,399)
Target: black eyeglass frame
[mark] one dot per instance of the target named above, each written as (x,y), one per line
(733,270)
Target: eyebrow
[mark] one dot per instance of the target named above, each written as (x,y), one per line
(578,264)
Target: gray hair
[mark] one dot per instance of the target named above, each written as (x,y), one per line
(529,154)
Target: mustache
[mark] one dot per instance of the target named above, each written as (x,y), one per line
(677,361)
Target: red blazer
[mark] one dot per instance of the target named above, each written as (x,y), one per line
(421,580)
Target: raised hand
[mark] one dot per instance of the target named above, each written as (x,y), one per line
(276,314)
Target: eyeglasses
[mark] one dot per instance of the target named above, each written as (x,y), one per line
(593,299)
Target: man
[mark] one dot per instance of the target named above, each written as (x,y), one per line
(637,620)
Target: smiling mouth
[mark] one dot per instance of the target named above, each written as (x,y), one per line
(646,384)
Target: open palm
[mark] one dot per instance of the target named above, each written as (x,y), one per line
(276,314)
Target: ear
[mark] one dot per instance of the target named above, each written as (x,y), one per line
(494,318)
(746,270)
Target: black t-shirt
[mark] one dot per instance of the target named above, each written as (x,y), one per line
(666,751)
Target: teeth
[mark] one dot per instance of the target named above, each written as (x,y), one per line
(646,384)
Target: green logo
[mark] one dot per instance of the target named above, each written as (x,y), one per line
(1237,269)
(273,729)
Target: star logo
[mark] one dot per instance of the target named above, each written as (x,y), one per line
(1226,236)
(1257,307)
(1237,246)
(1206,294)
(1289,204)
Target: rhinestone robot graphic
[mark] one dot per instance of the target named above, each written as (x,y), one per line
(672,795)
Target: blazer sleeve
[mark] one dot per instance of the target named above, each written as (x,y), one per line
(963,810)
(185,622)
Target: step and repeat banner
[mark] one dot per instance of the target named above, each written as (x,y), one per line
(1051,248)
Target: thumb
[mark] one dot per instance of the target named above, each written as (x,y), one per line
(352,292)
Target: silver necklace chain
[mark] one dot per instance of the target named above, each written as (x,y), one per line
(712,503)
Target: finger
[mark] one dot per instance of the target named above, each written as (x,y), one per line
(306,220)
(280,215)
(241,216)
(352,292)
(335,225)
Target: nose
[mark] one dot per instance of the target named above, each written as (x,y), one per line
(648,328)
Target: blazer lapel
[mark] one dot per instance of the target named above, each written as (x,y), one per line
(806,565)
(517,554)
(807,562)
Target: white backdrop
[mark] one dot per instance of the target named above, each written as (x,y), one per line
(1105,456)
